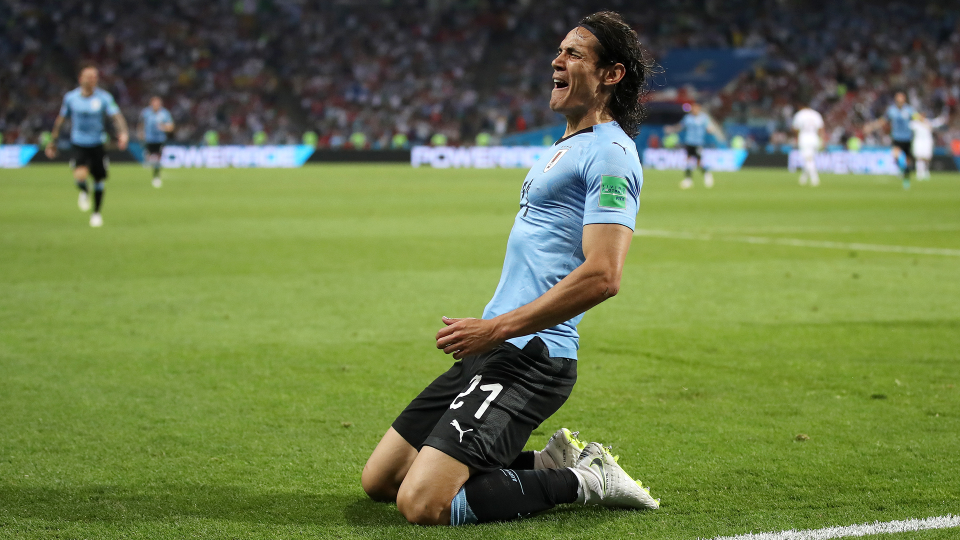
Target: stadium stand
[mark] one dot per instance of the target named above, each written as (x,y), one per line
(359,72)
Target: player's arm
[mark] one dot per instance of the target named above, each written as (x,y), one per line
(605,249)
(51,149)
(715,128)
(879,123)
(123,137)
(168,126)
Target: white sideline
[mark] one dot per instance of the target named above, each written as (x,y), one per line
(800,243)
(948,521)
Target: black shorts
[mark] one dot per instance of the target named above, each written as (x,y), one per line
(693,151)
(93,158)
(154,148)
(482,410)
(906,147)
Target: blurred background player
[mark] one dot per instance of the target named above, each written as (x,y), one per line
(86,107)
(898,116)
(155,123)
(923,142)
(695,126)
(808,124)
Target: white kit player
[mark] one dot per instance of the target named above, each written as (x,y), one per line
(922,144)
(808,124)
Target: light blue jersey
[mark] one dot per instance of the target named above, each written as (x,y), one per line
(86,115)
(695,129)
(900,122)
(593,176)
(151,124)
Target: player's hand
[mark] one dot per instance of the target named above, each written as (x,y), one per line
(465,337)
(50,150)
(122,141)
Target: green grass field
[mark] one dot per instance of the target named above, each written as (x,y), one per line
(220,358)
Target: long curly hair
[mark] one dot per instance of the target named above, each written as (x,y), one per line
(619,44)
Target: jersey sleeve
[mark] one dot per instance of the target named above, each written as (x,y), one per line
(112,107)
(65,108)
(612,177)
(166,118)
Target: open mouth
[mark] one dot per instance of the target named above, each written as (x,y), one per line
(558,83)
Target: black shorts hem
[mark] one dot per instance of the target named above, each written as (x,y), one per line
(482,411)
(94,158)
(462,454)
(154,148)
(906,147)
(693,151)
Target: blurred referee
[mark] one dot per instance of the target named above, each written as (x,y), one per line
(86,107)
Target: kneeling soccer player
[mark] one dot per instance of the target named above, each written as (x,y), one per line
(454,455)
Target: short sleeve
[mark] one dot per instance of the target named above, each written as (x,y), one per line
(612,177)
(167,118)
(65,108)
(112,108)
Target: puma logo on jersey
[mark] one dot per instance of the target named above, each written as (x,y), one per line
(556,157)
(457,425)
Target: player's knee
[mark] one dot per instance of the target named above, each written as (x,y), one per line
(421,508)
(377,486)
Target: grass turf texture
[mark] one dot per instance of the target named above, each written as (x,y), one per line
(221,357)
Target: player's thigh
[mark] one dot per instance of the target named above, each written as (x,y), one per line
(80,172)
(430,486)
(387,467)
(512,393)
(99,164)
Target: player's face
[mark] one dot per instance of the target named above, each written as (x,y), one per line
(576,78)
(89,78)
(900,99)
(155,103)
(695,108)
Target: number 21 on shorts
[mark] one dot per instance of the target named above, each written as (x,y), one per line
(494,390)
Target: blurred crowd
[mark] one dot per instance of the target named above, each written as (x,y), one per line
(382,73)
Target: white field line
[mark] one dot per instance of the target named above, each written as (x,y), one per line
(800,243)
(867,529)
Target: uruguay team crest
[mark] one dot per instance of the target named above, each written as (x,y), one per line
(556,157)
(95,104)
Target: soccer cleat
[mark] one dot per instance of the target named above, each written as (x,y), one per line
(96,220)
(83,201)
(562,450)
(687,183)
(157,183)
(603,482)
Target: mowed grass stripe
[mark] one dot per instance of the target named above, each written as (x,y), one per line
(800,243)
